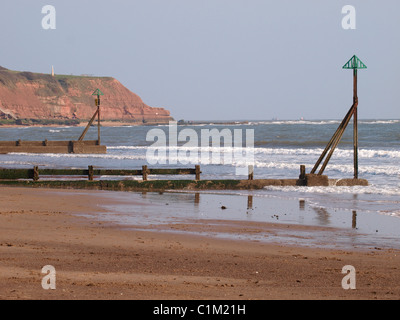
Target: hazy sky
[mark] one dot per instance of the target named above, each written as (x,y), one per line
(218,59)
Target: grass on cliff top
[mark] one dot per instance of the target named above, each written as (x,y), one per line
(10,77)
(55,86)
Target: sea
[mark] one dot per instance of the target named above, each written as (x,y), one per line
(279,147)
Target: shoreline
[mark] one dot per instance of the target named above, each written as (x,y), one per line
(84,124)
(108,123)
(101,260)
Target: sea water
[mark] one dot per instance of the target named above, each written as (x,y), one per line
(280,147)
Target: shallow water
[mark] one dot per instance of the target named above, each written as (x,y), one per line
(258,216)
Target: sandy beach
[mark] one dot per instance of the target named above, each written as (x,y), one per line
(101,260)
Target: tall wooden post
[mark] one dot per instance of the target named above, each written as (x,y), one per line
(97,93)
(98,120)
(355,125)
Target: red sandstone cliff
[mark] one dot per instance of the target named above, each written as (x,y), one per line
(26,95)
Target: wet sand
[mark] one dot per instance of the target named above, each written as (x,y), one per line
(101,260)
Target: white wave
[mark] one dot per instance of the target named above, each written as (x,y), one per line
(375,190)
(379,153)
(15,162)
(295,122)
(392,213)
(338,153)
(368,169)
(127,147)
(385,170)
(380,122)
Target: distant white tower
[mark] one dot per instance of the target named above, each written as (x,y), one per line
(52,71)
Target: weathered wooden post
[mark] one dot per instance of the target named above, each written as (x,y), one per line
(98,93)
(198,172)
(251,172)
(302,175)
(35,173)
(90,173)
(355,123)
(355,63)
(144,173)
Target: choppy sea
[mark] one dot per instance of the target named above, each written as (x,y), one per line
(280,147)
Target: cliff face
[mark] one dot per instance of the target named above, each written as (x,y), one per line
(26,95)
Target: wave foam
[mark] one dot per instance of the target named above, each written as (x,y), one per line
(376,190)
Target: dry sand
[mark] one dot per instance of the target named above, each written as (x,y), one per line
(97,260)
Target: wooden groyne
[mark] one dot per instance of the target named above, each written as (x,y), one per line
(78,147)
(33,178)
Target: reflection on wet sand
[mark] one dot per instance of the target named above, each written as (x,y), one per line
(249,202)
(354,220)
(200,212)
(322,214)
(302,204)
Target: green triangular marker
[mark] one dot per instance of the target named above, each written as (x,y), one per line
(98,92)
(354,63)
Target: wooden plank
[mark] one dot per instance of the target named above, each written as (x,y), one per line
(8,143)
(88,126)
(14,174)
(338,132)
(63,172)
(117,172)
(34,149)
(172,171)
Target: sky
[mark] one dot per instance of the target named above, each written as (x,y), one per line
(218,59)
